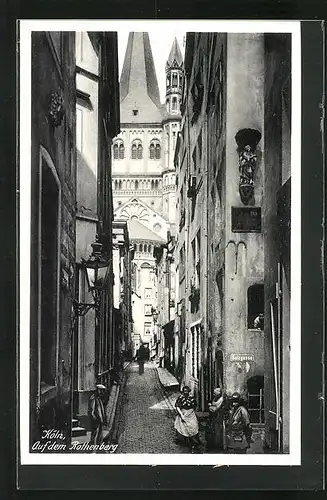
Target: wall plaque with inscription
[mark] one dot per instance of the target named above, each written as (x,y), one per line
(246,219)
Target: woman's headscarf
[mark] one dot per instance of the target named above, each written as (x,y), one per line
(186,388)
(217,392)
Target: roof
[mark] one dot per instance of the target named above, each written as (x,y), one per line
(175,57)
(138,83)
(138,231)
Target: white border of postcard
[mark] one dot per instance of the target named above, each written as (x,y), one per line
(27,458)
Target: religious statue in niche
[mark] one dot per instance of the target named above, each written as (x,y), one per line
(247,140)
(56,108)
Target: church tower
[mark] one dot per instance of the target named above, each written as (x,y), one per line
(171,127)
(143,174)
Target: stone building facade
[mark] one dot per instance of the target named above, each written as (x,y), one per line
(277,239)
(97,122)
(122,268)
(144,177)
(53,196)
(225,203)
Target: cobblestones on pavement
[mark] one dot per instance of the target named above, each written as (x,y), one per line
(146,416)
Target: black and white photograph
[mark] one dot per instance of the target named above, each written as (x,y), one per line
(160,238)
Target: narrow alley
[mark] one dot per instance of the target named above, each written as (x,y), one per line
(146,419)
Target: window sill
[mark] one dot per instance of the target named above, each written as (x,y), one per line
(255,330)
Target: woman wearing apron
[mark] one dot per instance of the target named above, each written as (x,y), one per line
(186,422)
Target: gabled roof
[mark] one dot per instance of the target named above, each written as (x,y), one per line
(138,83)
(143,204)
(175,58)
(138,231)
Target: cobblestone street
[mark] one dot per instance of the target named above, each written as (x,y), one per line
(146,420)
(146,417)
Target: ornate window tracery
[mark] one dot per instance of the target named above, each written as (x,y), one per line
(119,150)
(155,150)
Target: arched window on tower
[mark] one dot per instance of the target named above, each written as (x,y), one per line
(152,184)
(121,151)
(174,104)
(136,184)
(155,150)
(180,81)
(168,81)
(134,151)
(139,152)
(175,79)
(167,105)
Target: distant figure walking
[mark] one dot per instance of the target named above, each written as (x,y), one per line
(214,429)
(142,356)
(186,422)
(238,430)
(97,414)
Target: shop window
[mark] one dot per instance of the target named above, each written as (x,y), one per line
(255,388)
(256,307)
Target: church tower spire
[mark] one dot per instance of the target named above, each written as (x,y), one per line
(171,124)
(174,79)
(139,91)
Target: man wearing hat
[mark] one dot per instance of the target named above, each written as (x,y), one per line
(238,430)
(97,414)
